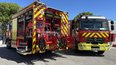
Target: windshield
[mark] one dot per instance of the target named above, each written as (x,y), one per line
(94,24)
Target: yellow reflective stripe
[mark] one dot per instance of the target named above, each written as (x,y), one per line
(64,17)
(63,14)
(99,35)
(66,27)
(36,14)
(33,51)
(42,13)
(34,27)
(102,34)
(33,46)
(95,36)
(64,30)
(106,34)
(35,10)
(92,35)
(39,12)
(41,16)
(63,21)
(84,34)
(34,34)
(34,22)
(34,40)
(88,34)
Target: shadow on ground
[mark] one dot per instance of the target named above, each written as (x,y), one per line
(10,54)
(80,53)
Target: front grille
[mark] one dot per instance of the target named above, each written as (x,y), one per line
(95,39)
(94,47)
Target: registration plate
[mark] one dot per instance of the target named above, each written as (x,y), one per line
(95,49)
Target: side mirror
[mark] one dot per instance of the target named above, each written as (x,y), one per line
(112,22)
(72,24)
(112,27)
(77,29)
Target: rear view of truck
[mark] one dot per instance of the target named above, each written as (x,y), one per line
(38,28)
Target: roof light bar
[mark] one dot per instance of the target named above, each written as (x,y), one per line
(93,17)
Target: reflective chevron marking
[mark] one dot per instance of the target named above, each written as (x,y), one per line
(38,11)
(95,34)
(99,35)
(34,40)
(84,34)
(33,46)
(64,26)
(88,34)
(103,34)
(92,35)
(106,34)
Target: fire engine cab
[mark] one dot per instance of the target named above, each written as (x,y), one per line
(91,33)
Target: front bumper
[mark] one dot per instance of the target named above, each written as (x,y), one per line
(92,47)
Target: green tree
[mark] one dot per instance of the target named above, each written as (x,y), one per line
(83,14)
(6,12)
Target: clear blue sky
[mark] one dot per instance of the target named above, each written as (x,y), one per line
(105,8)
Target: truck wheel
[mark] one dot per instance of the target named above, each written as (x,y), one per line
(76,44)
(8,44)
(100,52)
(42,45)
(76,47)
(63,43)
(48,51)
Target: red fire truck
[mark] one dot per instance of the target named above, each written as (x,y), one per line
(91,33)
(37,28)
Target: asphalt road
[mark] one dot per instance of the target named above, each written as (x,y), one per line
(10,57)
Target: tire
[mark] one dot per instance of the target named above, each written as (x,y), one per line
(100,52)
(42,45)
(63,43)
(48,51)
(4,41)
(76,47)
(76,44)
(8,44)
